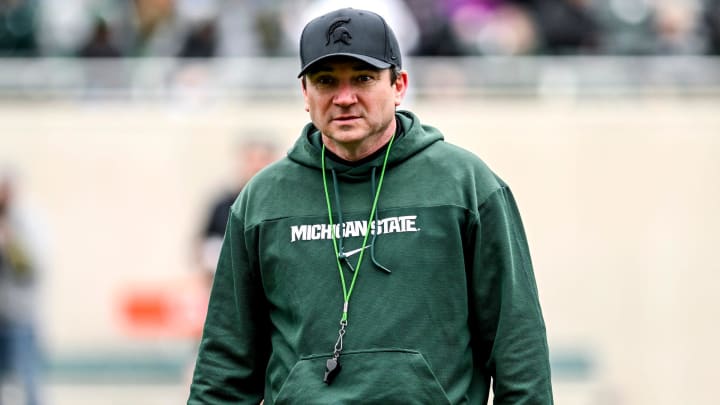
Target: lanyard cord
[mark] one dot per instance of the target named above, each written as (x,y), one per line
(347,292)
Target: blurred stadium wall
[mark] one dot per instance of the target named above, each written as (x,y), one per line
(614,163)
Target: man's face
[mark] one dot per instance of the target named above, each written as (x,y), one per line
(350,102)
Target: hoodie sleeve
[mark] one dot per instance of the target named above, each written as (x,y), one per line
(234,350)
(508,328)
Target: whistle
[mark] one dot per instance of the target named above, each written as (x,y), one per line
(332,369)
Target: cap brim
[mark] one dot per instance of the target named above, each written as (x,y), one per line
(367,59)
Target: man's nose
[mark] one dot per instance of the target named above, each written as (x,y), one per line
(345,95)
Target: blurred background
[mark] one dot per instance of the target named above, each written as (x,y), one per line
(127,125)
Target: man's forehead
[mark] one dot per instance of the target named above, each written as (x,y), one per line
(337,62)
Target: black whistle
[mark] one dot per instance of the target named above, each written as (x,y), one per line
(332,369)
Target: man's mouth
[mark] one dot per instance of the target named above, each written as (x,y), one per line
(345,118)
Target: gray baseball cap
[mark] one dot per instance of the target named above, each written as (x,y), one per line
(350,32)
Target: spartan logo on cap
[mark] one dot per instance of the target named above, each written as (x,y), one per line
(338,33)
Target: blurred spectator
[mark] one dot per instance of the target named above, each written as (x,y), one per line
(249,157)
(436,35)
(201,41)
(567,27)
(467,19)
(18,27)
(626,26)
(677,28)
(20,265)
(64,26)
(100,43)
(268,28)
(493,27)
(102,76)
(711,17)
(236,32)
(156,31)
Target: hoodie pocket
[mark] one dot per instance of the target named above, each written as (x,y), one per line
(367,377)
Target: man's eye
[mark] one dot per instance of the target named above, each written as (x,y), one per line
(364,78)
(324,80)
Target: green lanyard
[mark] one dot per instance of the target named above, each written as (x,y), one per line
(333,365)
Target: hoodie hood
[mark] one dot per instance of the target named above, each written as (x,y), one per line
(307,151)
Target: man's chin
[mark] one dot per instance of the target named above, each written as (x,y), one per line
(347,134)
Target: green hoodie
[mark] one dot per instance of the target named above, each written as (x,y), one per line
(458,309)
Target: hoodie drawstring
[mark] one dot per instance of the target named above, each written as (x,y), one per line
(341,249)
(375,222)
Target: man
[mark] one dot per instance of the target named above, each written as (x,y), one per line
(20,264)
(251,154)
(375,264)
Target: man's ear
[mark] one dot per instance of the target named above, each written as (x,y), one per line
(304,92)
(400,86)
